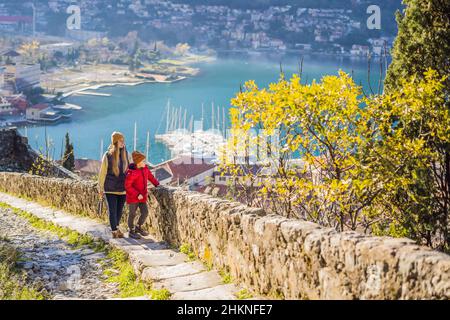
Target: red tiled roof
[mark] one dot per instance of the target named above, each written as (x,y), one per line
(161,174)
(188,168)
(40,106)
(187,171)
(88,166)
(21,105)
(11,53)
(18,102)
(26,19)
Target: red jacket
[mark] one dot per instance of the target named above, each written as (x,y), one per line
(136,183)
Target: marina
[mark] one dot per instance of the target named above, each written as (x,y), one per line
(190,138)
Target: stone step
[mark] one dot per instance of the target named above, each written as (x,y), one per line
(179,270)
(154,245)
(190,283)
(126,245)
(156,258)
(220,292)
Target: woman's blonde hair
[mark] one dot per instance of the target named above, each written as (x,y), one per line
(116,152)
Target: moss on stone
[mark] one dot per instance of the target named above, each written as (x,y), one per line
(13,281)
(226,277)
(243,294)
(187,250)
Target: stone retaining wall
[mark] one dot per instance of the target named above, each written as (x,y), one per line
(268,253)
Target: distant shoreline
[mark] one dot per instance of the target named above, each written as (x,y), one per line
(294,51)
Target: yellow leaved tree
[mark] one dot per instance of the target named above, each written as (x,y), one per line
(326,153)
(30,50)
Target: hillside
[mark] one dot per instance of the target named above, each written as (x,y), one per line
(323,4)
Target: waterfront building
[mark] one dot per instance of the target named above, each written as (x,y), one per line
(379,46)
(23,77)
(19,102)
(11,57)
(16,23)
(359,50)
(34,112)
(5,107)
(43,113)
(304,46)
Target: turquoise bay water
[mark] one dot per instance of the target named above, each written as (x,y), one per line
(146,104)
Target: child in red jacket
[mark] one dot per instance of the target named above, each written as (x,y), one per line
(138,175)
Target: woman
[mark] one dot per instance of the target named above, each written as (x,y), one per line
(111,180)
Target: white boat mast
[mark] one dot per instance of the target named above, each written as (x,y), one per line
(101,149)
(168,116)
(224,129)
(212,116)
(135,137)
(147,146)
(218,118)
(174,118)
(203,114)
(171,120)
(191,123)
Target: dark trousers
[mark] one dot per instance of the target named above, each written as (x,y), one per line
(115,209)
(132,214)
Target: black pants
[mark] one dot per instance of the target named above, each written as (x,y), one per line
(115,209)
(132,214)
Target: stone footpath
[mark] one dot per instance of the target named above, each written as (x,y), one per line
(52,264)
(153,261)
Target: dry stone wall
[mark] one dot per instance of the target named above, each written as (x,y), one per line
(271,254)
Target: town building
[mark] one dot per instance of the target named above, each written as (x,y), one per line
(379,46)
(359,50)
(11,57)
(19,102)
(6,107)
(185,171)
(44,113)
(16,23)
(34,112)
(22,77)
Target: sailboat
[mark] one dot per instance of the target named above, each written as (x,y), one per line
(183,139)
